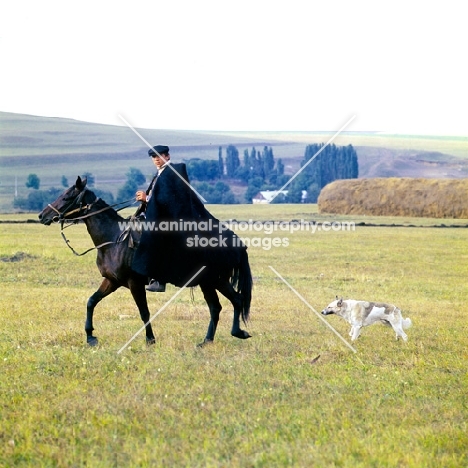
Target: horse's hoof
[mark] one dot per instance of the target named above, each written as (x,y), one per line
(150,341)
(92,341)
(242,334)
(204,343)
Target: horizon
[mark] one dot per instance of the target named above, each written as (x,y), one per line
(195,130)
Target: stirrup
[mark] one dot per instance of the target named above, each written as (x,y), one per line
(156,286)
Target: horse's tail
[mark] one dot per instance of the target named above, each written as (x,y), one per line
(242,277)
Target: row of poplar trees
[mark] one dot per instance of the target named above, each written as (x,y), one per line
(321,165)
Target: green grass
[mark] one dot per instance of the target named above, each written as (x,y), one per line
(260,402)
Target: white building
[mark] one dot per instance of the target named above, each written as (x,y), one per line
(267,196)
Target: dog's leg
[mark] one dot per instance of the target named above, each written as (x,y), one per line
(356,331)
(402,334)
(397,325)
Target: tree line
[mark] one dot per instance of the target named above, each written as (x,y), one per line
(321,165)
(37,199)
(258,170)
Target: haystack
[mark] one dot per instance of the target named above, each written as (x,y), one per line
(428,198)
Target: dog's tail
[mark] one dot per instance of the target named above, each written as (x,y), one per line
(406,323)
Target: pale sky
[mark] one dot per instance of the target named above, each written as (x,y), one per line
(398,66)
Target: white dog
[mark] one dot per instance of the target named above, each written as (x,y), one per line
(361,314)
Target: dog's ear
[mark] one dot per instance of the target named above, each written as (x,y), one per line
(340,302)
(336,297)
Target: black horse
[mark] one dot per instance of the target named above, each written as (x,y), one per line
(115,250)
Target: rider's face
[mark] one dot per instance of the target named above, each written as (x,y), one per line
(160,160)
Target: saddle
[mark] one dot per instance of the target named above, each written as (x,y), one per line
(132,233)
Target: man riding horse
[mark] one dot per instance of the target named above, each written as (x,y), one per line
(175,217)
(165,255)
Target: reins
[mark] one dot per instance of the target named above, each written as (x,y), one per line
(62,219)
(86,251)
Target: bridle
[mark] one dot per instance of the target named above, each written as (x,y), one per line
(62,217)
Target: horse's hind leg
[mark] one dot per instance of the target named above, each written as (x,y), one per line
(226,289)
(137,288)
(212,299)
(107,287)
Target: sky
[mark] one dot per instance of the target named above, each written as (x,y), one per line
(395,66)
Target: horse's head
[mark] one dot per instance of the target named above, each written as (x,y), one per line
(68,205)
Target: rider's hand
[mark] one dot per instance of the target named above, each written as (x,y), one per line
(141,196)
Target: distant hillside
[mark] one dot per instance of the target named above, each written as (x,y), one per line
(385,162)
(56,147)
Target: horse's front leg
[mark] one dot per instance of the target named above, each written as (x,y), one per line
(107,287)
(137,288)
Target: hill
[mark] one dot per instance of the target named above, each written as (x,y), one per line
(56,147)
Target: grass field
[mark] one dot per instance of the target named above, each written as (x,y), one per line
(262,402)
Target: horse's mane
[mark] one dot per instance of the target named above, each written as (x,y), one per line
(101,204)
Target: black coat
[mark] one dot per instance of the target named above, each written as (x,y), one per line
(173,254)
